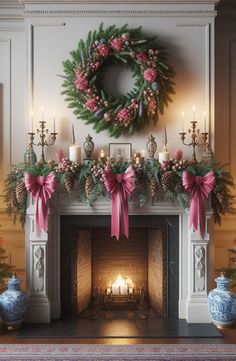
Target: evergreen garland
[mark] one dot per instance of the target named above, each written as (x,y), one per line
(85,70)
(171,171)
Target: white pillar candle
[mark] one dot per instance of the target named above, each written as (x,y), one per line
(75,153)
(204,116)
(163,156)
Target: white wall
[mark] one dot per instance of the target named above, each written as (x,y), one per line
(51,31)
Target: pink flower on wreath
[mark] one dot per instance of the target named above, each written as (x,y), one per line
(142,57)
(91,104)
(81,82)
(150,74)
(124,115)
(117,44)
(102,49)
(64,164)
(178,154)
(165,165)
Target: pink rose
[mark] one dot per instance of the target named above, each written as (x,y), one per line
(91,104)
(117,44)
(142,57)
(165,165)
(102,49)
(150,74)
(124,115)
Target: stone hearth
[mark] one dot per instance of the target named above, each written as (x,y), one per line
(43,256)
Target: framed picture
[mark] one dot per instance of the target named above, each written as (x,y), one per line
(123,150)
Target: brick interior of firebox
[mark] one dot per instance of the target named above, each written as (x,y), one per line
(141,258)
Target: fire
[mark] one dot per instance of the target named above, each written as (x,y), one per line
(121,286)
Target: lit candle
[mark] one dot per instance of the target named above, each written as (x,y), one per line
(131,290)
(102,153)
(74,150)
(108,290)
(42,109)
(194,115)
(31,121)
(182,121)
(143,153)
(164,155)
(204,115)
(54,122)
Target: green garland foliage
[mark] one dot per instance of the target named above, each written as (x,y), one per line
(5,269)
(84,74)
(153,181)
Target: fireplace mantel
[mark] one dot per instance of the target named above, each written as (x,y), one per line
(43,258)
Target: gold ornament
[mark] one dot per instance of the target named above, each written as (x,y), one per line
(89,185)
(107,117)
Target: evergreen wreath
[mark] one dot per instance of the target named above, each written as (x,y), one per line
(84,74)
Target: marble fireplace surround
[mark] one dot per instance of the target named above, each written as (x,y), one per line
(43,258)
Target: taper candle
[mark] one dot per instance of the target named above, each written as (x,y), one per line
(204,116)
(54,122)
(182,122)
(31,121)
(194,113)
(42,109)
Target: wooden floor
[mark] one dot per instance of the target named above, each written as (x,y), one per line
(11,337)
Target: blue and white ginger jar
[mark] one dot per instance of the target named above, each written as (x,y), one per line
(13,304)
(222,303)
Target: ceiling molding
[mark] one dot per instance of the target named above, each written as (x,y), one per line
(21,3)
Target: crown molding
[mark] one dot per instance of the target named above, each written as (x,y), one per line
(67,2)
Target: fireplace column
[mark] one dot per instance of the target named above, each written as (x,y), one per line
(197,308)
(36,270)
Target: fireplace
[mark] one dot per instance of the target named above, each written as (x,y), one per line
(136,273)
(187,259)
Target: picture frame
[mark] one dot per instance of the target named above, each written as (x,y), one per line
(123,150)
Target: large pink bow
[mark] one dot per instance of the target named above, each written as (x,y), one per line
(199,187)
(121,185)
(41,188)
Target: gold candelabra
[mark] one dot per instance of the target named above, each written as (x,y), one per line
(194,142)
(42,131)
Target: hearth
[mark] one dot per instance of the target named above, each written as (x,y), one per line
(137,274)
(187,252)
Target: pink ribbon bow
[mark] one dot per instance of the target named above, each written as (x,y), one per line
(199,187)
(41,188)
(121,185)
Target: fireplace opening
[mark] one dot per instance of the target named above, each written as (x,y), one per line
(103,277)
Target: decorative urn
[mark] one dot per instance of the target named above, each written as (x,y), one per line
(151,147)
(13,304)
(222,303)
(88,147)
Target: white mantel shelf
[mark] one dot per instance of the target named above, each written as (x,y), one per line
(43,258)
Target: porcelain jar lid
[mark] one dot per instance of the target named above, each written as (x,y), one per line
(14,283)
(223,279)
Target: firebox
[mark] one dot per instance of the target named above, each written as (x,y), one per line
(138,273)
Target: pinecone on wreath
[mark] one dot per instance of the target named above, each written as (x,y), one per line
(21,192)
(69,181)
(153,187)
(89,185)
(167,180)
